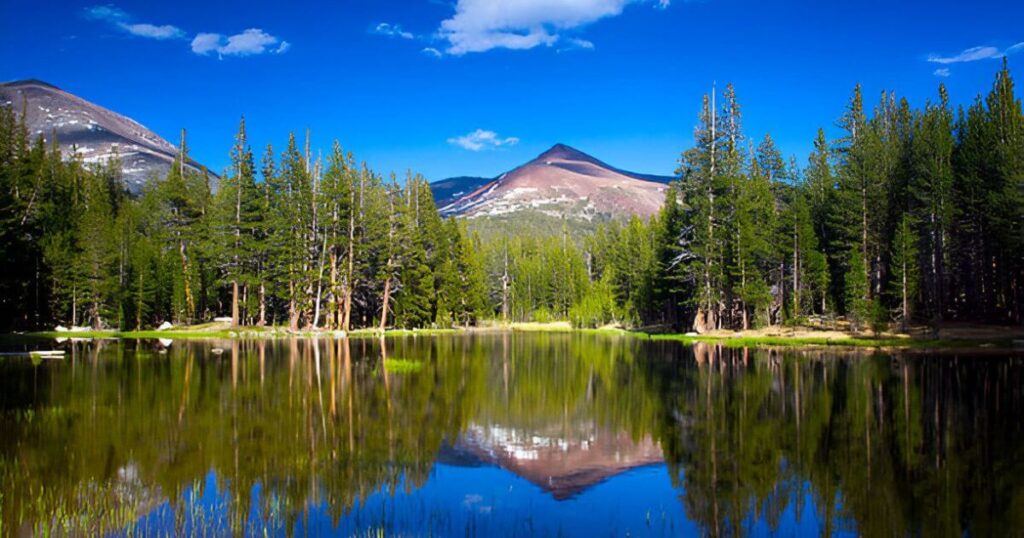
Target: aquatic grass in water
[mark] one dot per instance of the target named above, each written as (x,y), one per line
(509,434)
(402,366)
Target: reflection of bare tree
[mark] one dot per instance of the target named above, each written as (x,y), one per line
(923,445)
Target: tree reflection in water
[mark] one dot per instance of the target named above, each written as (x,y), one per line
(270,435)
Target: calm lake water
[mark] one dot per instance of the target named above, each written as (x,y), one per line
(509,434)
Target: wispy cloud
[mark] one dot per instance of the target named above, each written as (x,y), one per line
(122,20)
(392,30)
(480,140)
(941,72)
(482,25)
(163,31)
(248,43)
(974,54)
(576,44)
(431,51)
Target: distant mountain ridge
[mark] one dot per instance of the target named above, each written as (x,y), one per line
(93,132)
(563,184)
(449,190)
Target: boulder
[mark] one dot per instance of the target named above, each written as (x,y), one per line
(164,326)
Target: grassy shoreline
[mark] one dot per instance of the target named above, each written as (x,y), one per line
(803,339)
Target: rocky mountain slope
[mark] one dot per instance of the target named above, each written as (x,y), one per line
(93,132)
(561,185)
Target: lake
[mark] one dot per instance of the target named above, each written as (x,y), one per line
(509,434)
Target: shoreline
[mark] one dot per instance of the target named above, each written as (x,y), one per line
(797,337)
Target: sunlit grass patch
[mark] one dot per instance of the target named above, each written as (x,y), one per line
(861,342)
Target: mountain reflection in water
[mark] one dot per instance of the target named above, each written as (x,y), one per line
(509,434)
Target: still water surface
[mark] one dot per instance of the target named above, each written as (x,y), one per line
(509,434)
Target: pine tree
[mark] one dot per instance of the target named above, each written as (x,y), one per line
(858,194)
(779,225)
(704,187)
(181,208)
(674,259)
(236,222)
(414,291)
(858,304)
(904,284)
(930,193)
(97,256)
(823,203)
(755,224)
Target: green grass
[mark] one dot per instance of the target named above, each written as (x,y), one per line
(613,331)
(366,333)
(248,332)
(861,342)
(201,332)
(197,332)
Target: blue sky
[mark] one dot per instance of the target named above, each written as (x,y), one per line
(475,87)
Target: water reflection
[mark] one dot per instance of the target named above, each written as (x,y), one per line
(502,434)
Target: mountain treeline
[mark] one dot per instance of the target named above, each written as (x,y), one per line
(290,240)
(910,215)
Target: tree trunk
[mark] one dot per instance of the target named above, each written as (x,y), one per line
(350,276)
(191,305)
(390,268)
(293,312)
(743,304)
(906,303)
(333,316)
(263,305)
(387,300)
(504,288)
(234,303)
(796,274)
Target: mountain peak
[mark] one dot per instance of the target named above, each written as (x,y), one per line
(564,152)
(29,82)
(90,132)
(561,183)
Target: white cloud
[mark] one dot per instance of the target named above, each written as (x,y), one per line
(248,43)
(431,51)
(392,30)
(165,31)
(578,44)
(119,18)
(481,139)
(106,13)
(206,42)
(482,25)
(941,72)
(974,54)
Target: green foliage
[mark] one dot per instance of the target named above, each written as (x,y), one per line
(858,303)
(917,213)
(598,305)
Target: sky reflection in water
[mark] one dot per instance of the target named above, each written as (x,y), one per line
(549,434)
